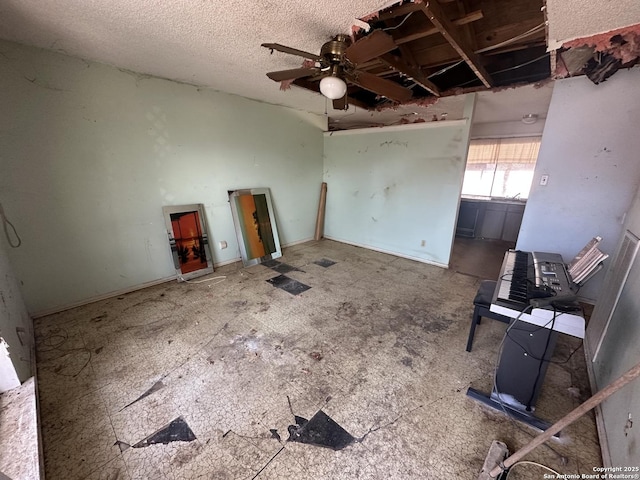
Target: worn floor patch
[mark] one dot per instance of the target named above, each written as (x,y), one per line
(280,267)
(176,431)
(285,268)
(287,284)
(321,430)
(271,263)
(324,262)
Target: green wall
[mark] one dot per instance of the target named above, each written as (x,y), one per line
(397,189)
(89,155)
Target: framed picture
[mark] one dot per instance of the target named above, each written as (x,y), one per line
(188,240)
(255,225)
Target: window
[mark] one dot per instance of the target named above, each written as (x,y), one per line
(501,167)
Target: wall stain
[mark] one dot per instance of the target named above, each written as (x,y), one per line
(396,143)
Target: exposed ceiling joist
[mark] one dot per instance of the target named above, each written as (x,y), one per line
(415,74)
(440,46)
(466,19)
(398,11)
(434,13)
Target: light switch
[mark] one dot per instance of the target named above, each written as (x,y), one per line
(544,179)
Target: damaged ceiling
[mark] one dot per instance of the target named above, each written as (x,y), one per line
(438,49)
(417,52)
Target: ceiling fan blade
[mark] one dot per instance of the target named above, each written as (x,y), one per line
(369,47)
(292,51)
(381,86)
(282,75)
(340,103)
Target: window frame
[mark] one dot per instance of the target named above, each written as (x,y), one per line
(491,158)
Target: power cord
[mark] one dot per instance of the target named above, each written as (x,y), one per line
(536,464)
(5,224)
(54,341)
(541,361)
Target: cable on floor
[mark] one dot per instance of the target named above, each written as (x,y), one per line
(536,464)
(61,333)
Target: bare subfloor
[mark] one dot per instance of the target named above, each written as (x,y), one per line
(377,343)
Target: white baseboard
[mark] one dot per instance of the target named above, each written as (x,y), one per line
(389,252)
(297,242)
(97,298)
(152,283)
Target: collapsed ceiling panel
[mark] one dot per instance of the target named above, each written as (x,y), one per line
(421,50)
(600,56)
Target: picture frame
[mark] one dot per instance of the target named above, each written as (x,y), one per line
(255,225)
(188,240)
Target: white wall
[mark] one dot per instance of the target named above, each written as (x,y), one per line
(590,151)
(90,154)
(397,189)
(16,366)
(618,353)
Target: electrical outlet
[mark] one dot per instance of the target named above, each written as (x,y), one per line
(544,179)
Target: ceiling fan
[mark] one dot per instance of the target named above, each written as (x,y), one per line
(338,63)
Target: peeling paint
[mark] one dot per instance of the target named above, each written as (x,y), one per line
(623,43)
(613,50)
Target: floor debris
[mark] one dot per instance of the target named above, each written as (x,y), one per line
(154,388)
(176,431)
(275,434)
(321,430)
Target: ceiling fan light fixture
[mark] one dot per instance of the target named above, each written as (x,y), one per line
(333,87)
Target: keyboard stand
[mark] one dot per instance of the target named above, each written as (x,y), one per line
(522,366)
(516,414)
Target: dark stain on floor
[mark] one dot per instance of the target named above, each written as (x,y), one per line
(289,285)
(324,262)
(280,267)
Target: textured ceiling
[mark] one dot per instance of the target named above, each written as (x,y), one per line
(216,43)
(570,19)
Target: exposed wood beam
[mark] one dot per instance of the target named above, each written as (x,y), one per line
(398,11)
(470,17)
(466,30)
(434,13)
(415,74)
(493,36)
(433,56)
